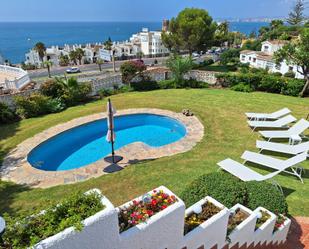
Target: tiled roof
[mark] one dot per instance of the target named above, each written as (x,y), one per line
(277,42)
(264,56)
(247,52)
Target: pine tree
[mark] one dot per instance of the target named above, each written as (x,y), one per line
(296,16)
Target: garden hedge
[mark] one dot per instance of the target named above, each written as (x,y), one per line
(229,190)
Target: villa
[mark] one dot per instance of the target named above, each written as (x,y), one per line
(265,59)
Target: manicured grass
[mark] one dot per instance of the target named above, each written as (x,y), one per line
(218,68)
(226,135)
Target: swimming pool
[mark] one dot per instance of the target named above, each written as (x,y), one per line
(86,144)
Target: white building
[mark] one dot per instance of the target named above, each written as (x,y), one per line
(264,58)
(150,42)
(53,54)
(13,78)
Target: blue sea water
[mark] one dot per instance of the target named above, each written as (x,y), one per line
(17,38)
(86,144)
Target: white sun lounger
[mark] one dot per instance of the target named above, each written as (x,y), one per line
(283,148)
(295,130)
(280,123)
(244,173)
(264,116)
(277,164)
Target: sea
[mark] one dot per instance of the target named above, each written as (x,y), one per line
(16,39)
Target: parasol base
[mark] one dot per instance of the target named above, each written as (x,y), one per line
(113,159)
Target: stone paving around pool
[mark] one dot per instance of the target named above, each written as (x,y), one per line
(17,169)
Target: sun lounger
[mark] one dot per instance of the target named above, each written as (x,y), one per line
(288,166)
(280,123)
(264,116)
(283,148)
(296,129)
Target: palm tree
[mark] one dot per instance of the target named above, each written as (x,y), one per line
(64,60)
(80,53)
(100,62)
(41,49)
(48,65)
(108,45)
(73,57)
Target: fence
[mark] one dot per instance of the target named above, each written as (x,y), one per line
(21,77)
(166,230)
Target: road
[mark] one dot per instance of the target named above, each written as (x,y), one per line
(59,71)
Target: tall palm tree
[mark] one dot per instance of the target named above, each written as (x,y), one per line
(80,53)
(108,45)
(41,49)
(48,65)
(100,62)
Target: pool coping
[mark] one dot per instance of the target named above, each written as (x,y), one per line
(17,169)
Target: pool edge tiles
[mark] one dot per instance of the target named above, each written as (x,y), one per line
(17,169)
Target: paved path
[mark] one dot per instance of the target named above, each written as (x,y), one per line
(298,237)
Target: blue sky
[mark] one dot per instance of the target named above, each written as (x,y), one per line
(134,10)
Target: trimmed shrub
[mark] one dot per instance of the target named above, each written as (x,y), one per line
(145,85)
(105,92)
(208,62)
(289,74)
(229,190)
(292,87)
(271,84)
(264,194)
(242,87)
(6,114)
(192,83)
(36,105)
(224,187)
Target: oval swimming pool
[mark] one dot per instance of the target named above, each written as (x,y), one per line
(86,144)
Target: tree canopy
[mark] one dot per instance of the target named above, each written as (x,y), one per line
(296,16)
(297,53)
(192,30)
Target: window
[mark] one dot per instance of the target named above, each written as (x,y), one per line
(254,59)
(243,57)
(290,68)
(266,48)
(249,58)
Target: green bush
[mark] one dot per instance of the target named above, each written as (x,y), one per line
(24,232)
(242,87)
(289,74)
(229,190)
(232,79)
(79,94)
(192,83)
(53,88)
(264,194)
(208,62)
(292,87)
(278,74)
(271,84)
(167,84)
(222,186)
(6,114)
(35,105)
(106,92)
(145,85)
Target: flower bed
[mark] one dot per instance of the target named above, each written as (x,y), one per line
(262,217)
(140,210)
(235,219)
(279,222)
(200,215)
(27,231)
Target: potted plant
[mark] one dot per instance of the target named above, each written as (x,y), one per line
(205,224)
(241,226)
(281,229)
(154,220)
(264,226)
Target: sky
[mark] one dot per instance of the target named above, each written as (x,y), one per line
(135,10)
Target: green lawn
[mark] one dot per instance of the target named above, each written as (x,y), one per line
(226,135)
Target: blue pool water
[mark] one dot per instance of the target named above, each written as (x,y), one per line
(86,144)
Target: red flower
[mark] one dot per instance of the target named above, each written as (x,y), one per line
(163,207)
(154,202)
(150,212)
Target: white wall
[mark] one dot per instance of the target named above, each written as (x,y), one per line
(165,230)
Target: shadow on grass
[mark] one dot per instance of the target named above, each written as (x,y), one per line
(7,131)
(8,193)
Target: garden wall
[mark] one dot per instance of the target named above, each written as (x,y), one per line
(101,82)
(166,230)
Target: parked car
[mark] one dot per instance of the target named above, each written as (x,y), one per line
(73,70)
(195,54)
